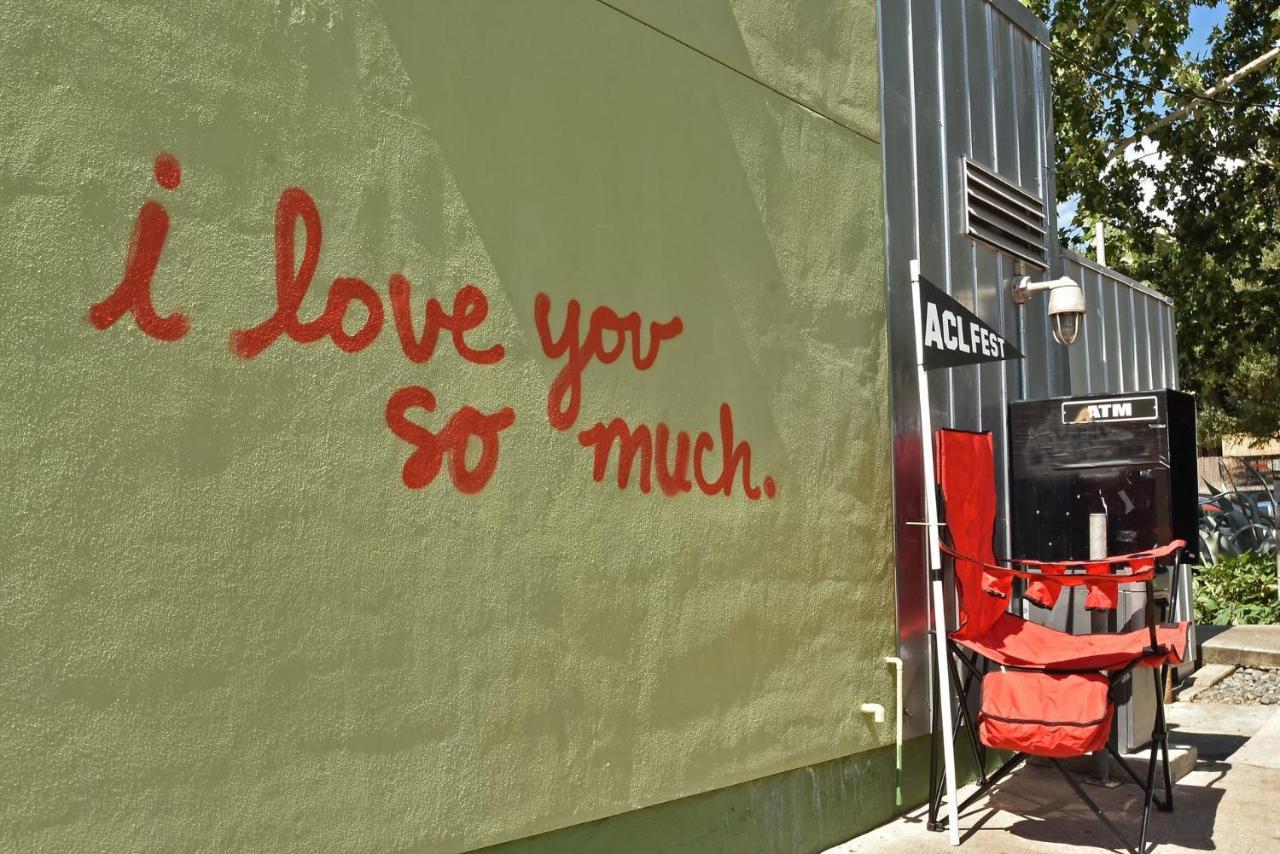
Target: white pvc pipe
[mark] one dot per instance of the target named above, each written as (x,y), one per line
(897,705)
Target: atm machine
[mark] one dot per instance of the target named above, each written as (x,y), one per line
(1131,458)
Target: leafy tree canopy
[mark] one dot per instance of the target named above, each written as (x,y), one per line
(1179,161)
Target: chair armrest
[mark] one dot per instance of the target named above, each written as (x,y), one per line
(1072,573)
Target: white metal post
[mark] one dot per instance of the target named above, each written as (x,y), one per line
(942,694)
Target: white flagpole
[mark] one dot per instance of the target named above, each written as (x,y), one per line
(943,693)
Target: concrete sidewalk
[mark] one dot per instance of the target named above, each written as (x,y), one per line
(1230,802)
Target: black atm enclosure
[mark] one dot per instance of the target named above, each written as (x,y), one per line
(1131,456)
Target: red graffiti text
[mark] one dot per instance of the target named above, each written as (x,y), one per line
(564,400)
(133,294)
(424,463)
(293,280)
(652,451)
(677,461)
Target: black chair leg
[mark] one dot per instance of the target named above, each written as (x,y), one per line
(982,760)
(1010,763)
(964,718)
(1097,810)
(1133,775)
(1150,794)
(1162,733)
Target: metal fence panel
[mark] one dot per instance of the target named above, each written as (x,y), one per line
(1127,342)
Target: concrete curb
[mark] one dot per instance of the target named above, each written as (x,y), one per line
(1246,646)
(1263,750)
(1202,680)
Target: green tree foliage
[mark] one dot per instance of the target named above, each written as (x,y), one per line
(1194,207)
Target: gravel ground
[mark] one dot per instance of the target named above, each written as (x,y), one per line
(1249,686)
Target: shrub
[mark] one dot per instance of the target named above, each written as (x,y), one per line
(1237,590)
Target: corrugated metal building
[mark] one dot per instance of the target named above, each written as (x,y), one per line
(969,191)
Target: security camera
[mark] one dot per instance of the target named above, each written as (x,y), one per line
(1066,304)
(1066,311)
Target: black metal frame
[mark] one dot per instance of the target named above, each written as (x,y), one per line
(977,666)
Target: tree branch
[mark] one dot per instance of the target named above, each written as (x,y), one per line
(1221,86)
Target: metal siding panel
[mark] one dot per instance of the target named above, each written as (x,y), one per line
(1170,353)
(1004,105)
(978,66)
(1078,354)
(1082,371)
(1155,339)
(898,120)
(996,377)
(1125,326)
(1132,334)
(957,78)
(1035,348)
(1111,322)
(990,307)
(1096,321)
(966,383)
(1147,329)
(931,171)
(1164,379)
(1145,349)
(932,218)
(1009,389)
(1047,181)
(1022,18)
(1029,119)
(1060,369)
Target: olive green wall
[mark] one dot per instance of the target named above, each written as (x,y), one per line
(226,623)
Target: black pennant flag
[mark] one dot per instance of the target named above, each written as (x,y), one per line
(953,335)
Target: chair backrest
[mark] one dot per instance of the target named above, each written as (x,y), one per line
(966,473)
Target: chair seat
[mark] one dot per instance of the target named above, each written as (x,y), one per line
(1014,642)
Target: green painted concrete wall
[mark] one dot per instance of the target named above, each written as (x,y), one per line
(226,621)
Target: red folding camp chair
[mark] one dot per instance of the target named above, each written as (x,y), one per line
(1050,693)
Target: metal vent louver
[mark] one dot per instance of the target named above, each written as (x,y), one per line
(1003,215)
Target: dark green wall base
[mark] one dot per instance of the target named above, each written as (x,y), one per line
(808,809)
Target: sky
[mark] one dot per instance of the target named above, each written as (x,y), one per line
(1203,19)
